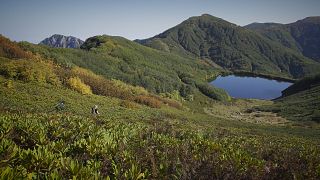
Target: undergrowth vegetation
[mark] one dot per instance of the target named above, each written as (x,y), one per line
(29,70)
(67,146)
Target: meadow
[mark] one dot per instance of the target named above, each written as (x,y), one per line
(177,128)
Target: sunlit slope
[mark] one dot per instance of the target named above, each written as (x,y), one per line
(119,58)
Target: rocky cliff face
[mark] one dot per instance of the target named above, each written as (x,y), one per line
(62,41)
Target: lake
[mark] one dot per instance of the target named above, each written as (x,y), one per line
(250,87)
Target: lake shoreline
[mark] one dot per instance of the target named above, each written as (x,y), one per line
(251,74)
(247,86)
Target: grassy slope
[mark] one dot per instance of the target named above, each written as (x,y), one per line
(41,98)
(154,143)
(232,47)
(300,102)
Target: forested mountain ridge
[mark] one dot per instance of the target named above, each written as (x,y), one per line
(232,47)
(302,36)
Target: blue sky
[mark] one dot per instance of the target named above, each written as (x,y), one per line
(34,20)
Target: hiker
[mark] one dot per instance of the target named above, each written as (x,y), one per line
(94,110)
(60,106)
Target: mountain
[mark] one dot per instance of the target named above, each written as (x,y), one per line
(303,35)
(232,47)
(58,40)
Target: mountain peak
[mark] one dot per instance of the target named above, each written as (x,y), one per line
(311,19)
(206,15)
(58,40)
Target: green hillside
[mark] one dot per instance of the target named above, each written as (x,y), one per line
(299,102)
(119,58)
(302,36)
(133,139)
(232,47)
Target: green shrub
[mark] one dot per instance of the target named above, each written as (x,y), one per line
(213,92)
(133,90)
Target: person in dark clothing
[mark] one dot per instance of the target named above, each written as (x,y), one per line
(94,110)
(60,106)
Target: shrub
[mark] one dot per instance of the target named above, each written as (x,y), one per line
(316,116)
(129,104)
(100,85)
(29,70)
(106,87)
(133,90)
(169,102)
(175,95)
(213,92)
(9,84)
(148,100)
(10,49)
(172,103)
(76,84)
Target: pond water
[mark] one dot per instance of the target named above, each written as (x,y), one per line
(250,87)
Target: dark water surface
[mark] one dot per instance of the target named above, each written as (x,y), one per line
(250,87)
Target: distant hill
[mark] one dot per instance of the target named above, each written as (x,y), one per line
(62,41)
(303,35)
(232,47)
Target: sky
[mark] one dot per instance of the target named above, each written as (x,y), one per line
(34,20)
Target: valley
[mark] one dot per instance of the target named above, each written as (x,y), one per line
(159,116)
